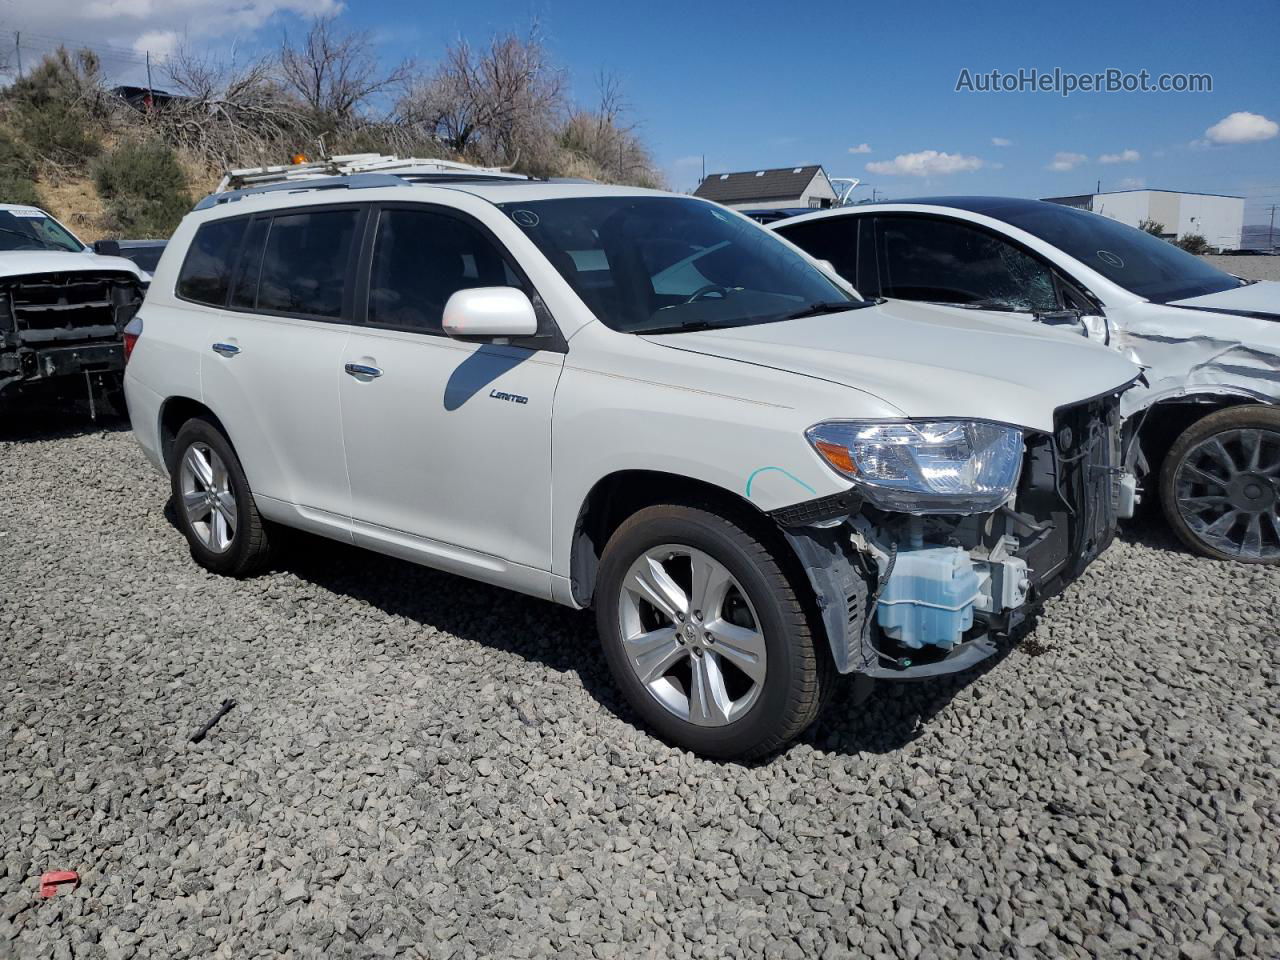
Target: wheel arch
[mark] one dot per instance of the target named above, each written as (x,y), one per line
(1161,423)
(176,411)
(618,495)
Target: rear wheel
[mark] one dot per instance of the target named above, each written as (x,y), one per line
(215,506)
(1220,485)
(706,635)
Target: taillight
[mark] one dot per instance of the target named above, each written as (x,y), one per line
(132,332)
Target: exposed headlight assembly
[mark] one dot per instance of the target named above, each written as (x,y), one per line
(924,466)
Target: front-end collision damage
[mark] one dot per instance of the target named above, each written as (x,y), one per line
(58,324)
(910,596)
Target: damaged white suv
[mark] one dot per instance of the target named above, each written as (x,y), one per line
(629,400)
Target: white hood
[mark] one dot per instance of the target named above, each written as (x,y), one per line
(1260,297)
(17,263)
(931,361)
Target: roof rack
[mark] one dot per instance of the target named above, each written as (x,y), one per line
(352,171)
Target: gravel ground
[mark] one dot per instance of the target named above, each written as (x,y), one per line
(1255,268)
(421,766)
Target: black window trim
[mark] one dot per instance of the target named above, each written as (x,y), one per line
(187,256)
(549,336)
(1058,275)
(347,316)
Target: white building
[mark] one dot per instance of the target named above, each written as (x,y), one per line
(776,189)
(1216,217)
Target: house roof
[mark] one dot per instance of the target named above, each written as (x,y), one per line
(783,183)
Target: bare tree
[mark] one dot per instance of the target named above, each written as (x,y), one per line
(496,105)
(230,114)
(336,72)
(600,143)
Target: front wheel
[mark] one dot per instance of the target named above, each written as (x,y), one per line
(706,635)
(1220,485)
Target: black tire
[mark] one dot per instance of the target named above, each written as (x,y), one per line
(797,674)
(249,550)
(1234,418)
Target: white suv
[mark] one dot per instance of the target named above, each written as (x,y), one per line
(629,400)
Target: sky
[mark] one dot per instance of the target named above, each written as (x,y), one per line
(868,91)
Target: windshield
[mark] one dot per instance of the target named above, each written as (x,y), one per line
(1136,260)
(666,264)
(26,228)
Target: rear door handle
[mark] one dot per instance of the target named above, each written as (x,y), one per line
(226,349)
(362,370)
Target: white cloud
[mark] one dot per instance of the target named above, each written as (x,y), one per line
(1001,142)
(158,27)
(1242,127)
(1132,183)
(1124,156)
(159,43)
(926,163)
(861,148)
(1064,160)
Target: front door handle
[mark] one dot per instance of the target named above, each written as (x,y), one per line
(226,349)
(362,370)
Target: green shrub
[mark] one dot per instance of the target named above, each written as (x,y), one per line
(59,132)
(17,172)
(1193,243)
(144,189)
(58,106)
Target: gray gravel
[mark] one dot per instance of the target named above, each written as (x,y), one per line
(421,766)
(1252,267)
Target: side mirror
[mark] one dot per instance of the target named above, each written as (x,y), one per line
(107,248)
(490,313)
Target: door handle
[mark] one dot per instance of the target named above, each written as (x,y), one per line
(226,349)
(362,370)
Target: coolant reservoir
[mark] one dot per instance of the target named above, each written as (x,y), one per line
(929,598)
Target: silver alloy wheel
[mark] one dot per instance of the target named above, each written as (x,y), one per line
(691,635)
(207,498)
(1228,492)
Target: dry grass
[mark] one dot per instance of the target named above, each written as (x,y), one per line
(75,201)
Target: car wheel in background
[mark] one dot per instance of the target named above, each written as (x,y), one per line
(706,635)
(1220,485)
(214,505)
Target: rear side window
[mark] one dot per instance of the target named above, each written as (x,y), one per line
(244,290)
(420,259)
(834,239)
(304,267)
(206,271)
(943,261)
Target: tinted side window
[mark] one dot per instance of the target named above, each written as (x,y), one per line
(244,290)
(832,238)
(950,262)
(304,269)
(206,271)
(420,259)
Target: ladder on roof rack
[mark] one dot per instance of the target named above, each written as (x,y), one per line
(347,165)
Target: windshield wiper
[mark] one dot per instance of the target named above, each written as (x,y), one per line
(27,237)
(689,326)
(996,305)
(829,306)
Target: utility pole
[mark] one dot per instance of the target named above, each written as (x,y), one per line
(17,42)
(704,166)
(1271,231)
(148,73)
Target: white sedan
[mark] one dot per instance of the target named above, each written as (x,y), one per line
(1208,427)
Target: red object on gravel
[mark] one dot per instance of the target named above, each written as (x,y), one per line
(51,881)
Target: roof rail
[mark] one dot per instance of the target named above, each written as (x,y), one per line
(347,165)
(359,181)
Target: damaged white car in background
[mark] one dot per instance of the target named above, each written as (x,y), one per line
(1208,427)
(63,306)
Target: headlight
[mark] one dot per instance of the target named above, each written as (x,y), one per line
(924,466)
